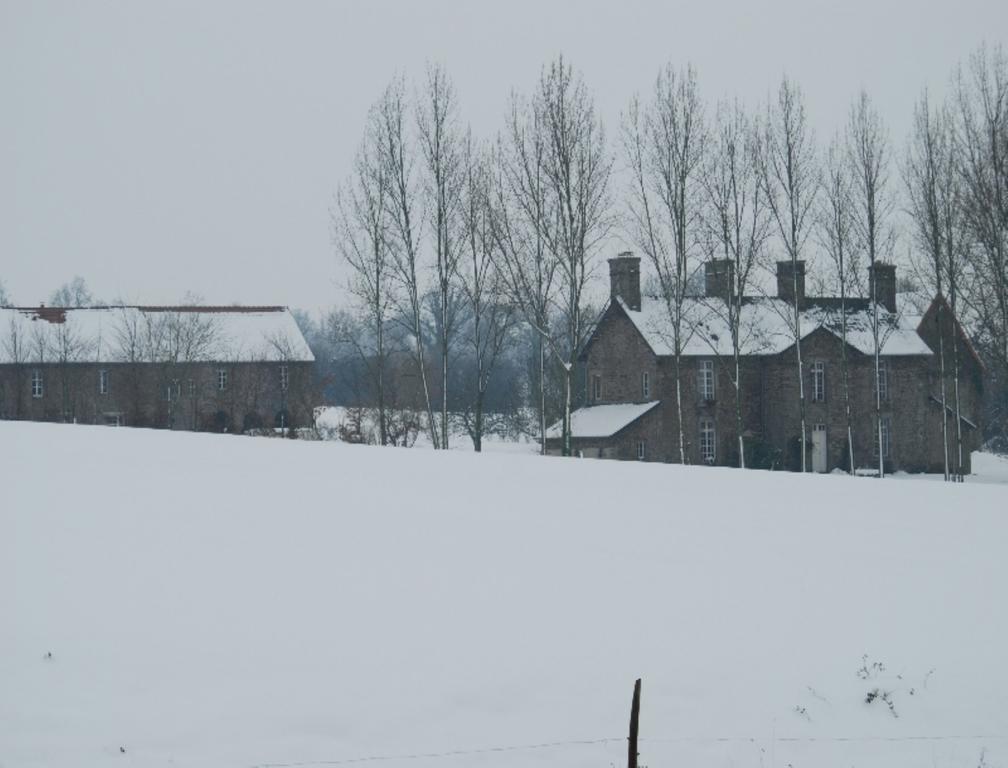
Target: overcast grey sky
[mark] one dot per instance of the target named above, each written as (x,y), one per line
(160,148)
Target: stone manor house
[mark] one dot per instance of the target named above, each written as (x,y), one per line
(630,398)
(221,369)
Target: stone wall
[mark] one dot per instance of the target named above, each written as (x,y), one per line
(138,394)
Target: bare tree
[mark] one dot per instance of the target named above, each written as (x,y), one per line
(441,145)
(360,225)
(981,138)
(180,339)
(927,172)
(130,335)
(873,205)
(69,346)
(789,176)
(489,316)
(398,161)
(664,142)
(280,352)
(522,208)
(17,349)
(958,273)
(570,212)
(4,298)
(73,294)
(737,218)
(577,169)
(835,227)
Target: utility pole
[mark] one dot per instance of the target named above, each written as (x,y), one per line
(634,714)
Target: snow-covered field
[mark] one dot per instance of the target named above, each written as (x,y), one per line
(227,601)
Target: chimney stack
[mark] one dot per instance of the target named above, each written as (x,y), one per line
(882,284)
(624,280)
(786,273)
(719,279)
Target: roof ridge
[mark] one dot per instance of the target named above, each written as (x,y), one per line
(237,308)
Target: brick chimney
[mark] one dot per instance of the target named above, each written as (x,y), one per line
(719,279)
(882,284)
(624,279)
(786,281)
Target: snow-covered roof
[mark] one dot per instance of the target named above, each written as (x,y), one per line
(602,420)
(154,333)
(766,327)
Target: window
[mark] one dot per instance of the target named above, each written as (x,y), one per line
(222,377)
(706,383)
(645,385)
(885,433)
(173,390)
(819,381)
(192,388)
(883,381)
(640,450)
(36,383)
(284,377)
(707,441)
(596,387)
(103,382)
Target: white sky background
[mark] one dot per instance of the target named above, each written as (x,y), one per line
(160,148)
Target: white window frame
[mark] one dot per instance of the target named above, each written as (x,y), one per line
(640,450)
(819,382)
(885,433)
(706,380)
(222,379)
(192,387)
(103,381)
(708,441)
(284,377)
(646,385)
(37,384)
(882,381)
(596,387)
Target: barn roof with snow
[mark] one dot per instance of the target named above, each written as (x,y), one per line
(114,334)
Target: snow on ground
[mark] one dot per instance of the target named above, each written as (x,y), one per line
(987,468)
(226,601)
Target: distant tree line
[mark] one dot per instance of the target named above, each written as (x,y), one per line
(471,259)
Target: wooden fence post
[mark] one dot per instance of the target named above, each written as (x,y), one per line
(634,715)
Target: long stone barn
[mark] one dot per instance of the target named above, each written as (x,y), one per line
(630,394)
(215,368)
